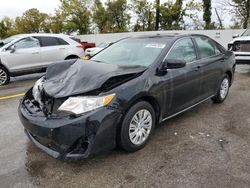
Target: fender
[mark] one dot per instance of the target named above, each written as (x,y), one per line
(1,64)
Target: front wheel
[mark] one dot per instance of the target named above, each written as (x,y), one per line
(222,93)
(137,127)
(4,76)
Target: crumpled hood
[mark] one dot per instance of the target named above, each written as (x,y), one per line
(76,77)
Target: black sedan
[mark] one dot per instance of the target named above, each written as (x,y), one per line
(81,108)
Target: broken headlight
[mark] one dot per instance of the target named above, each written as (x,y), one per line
(37,90)
(80,105)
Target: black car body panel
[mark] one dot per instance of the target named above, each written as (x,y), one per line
(64,135)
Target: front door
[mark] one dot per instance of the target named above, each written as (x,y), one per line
(183,83)
(25,54)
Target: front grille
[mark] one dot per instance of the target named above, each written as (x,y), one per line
(51,104)
(241,46)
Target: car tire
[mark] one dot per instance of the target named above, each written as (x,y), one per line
(4,76)
(137,127)
(223,90)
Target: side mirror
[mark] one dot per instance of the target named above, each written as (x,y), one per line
(12,49)
(236,36)
(171,64)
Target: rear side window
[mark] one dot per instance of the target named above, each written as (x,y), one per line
(183,50)
(51,41)
(61,41)
(206,48)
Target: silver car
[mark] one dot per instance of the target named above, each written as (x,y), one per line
(33,53)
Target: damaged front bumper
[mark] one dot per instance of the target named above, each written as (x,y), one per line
(68,137)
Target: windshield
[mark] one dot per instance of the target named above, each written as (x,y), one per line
(246,33)
(7,40)
(136,51)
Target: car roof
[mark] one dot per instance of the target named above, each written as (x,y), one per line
(41,34)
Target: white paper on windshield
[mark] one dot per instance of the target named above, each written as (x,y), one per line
(155,45)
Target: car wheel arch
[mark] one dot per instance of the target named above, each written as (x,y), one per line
(147,98)
(72,57)
(229,73)
(2,65)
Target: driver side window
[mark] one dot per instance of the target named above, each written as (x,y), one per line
(27,43)
(183,50)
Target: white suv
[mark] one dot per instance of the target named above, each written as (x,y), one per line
(32,53)
(241,47)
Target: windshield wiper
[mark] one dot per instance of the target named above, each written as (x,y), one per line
(98,61)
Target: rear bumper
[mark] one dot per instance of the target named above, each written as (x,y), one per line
(68,138)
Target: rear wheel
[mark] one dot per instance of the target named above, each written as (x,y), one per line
(222,93)
(137,127)
(4,76)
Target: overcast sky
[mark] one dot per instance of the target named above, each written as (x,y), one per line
(14,8)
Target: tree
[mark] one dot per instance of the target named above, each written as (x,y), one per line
(100,17)
(145,15)
(192,11)
(32,21)
(118,16)
(6,27)
(242,12)
(157,14)
(207,13)
(57,24)
(77,15)
(171,15)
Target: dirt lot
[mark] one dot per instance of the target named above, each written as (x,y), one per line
(208,146)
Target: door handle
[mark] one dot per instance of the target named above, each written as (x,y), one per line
(35,53)
(197,68)
(62,48)
(222,60)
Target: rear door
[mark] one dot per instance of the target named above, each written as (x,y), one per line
(52,49)
(185,82)
(210,65)
(26,55)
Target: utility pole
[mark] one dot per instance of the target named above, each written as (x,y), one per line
(157,17)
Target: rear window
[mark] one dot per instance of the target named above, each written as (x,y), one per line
(51,41)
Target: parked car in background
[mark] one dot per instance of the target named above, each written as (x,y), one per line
(92,51)
(123,92)
(87,45)
(32,53)
(241,47)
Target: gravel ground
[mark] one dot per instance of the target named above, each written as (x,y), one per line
(208,146)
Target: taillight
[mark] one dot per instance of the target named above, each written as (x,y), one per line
(80,46)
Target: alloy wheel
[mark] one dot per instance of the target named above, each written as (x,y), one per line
(3,76)
(224,88)
(140,127)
